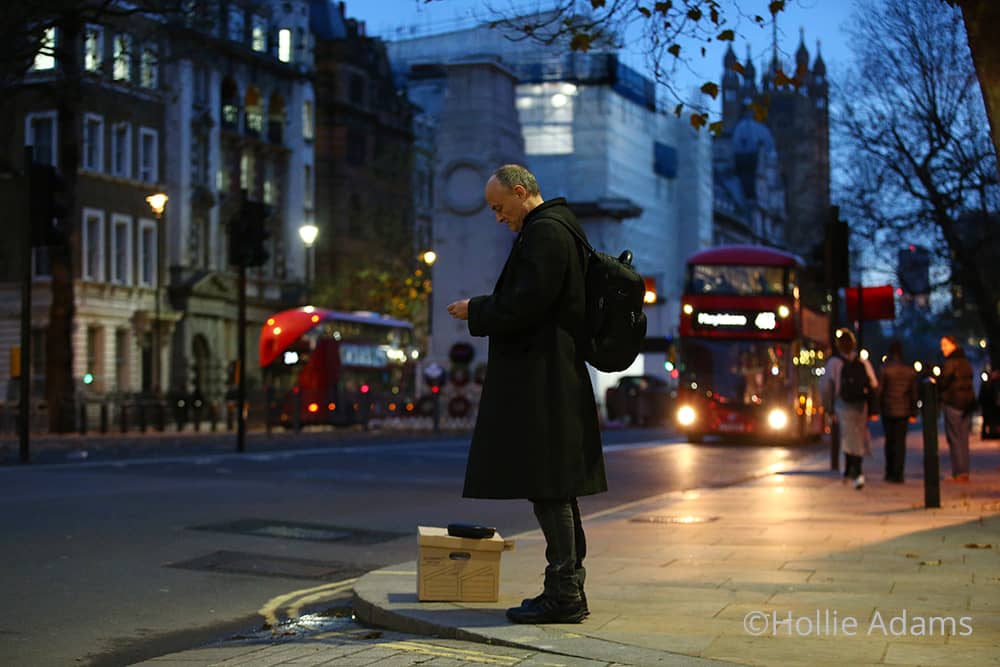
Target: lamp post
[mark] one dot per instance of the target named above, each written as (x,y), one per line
(428,257)
(308,234)
(157,203)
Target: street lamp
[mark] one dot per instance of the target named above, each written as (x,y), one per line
(157,203)
(308,234)
(428,257)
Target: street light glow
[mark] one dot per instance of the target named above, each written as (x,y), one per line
(157,202)
(429,257)
(308,234)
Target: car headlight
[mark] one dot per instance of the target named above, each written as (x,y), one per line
(777,419)
(686,415)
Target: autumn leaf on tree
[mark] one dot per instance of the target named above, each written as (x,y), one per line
(715,128)
(694,14)
(776,6)
(726,36)
(663,7)
(781,79)
(674,50)
(738,68)
(679,109)
(710,88)
(698,120)
(645,12)
(581,41)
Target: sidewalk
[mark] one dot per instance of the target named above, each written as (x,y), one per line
(793,568)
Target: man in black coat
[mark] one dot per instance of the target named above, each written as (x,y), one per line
(897,386)
(537,435)
(958,401)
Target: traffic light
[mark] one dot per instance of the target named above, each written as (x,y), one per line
(249,233)
(48,206)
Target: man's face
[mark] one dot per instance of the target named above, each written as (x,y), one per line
(946,347)
(508,205)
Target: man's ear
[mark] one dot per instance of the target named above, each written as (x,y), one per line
(521,191)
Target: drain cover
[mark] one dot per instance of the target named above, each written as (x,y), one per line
(291,530)
(684,520)
(262,565)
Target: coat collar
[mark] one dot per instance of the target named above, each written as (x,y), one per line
(541,208)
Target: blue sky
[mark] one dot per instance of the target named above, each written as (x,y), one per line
(821,19)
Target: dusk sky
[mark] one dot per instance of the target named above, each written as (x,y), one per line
(821,19)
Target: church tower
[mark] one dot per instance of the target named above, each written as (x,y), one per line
(798,117)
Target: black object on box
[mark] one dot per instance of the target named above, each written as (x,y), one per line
(472,530)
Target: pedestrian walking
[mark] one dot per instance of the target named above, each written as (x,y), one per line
(958,401)
(848,384)
(989,404)
(536,435)
(898,407)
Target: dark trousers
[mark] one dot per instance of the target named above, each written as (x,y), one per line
(852,466)
(957,425)
(565,547)
(895,447)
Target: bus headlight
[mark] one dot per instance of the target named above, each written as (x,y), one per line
(686,415)
(777,419)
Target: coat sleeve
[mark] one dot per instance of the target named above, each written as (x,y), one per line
(538,273)
(871,375)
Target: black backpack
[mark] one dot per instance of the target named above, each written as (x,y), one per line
(616,325)
(854,382)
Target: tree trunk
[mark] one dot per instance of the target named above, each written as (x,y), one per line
(981,19)
(59,385)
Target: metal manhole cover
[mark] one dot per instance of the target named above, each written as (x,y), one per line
(291,530)
(262,565)
(683,520)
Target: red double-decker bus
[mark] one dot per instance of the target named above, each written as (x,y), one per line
(328,367)
(750,354)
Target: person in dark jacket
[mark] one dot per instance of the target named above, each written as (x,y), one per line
(537,435)
(957,403)
(898,405)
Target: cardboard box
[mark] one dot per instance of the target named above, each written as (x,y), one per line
(458,569)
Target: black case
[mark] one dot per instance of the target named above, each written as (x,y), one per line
(472,530)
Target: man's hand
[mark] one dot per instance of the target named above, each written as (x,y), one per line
(459,309)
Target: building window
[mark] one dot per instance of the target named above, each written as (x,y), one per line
(93,58)
(123,58)
(93,245)
(254,112)
(121,150)
(121,249)
(269,189)
(356,92)
(149,67)
(235,24)
(285,45)
(308,129)
(40,133)
(93,142)
(147,253)
(45,58)
(247,171)
(308,178)
(149,142)
(546,115)
(258,41)
(230,105)
(94,357)
(122,368)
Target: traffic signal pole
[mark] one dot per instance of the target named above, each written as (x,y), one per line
(24,414)
(241,347)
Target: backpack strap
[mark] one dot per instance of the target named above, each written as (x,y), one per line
(579,237)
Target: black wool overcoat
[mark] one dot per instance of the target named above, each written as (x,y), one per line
(537,433)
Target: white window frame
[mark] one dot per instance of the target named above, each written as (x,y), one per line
(146,224)
(308,121)
(93,62)
(126,171)
(29,133)
(154,159)
(285,45)
(149,67)
(86,270)
(45,61)
(122,70)
(120,220)
(99,154)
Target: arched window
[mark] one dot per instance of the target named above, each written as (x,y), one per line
(254,111)
(230,105)
(275,119)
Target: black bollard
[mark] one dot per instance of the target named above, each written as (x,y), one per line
(297,420)
(213,414)
(104,417)
(83,418)
(161,415)
(141,407)
(230,415)
(929,416)
(834,445)
(123,414)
